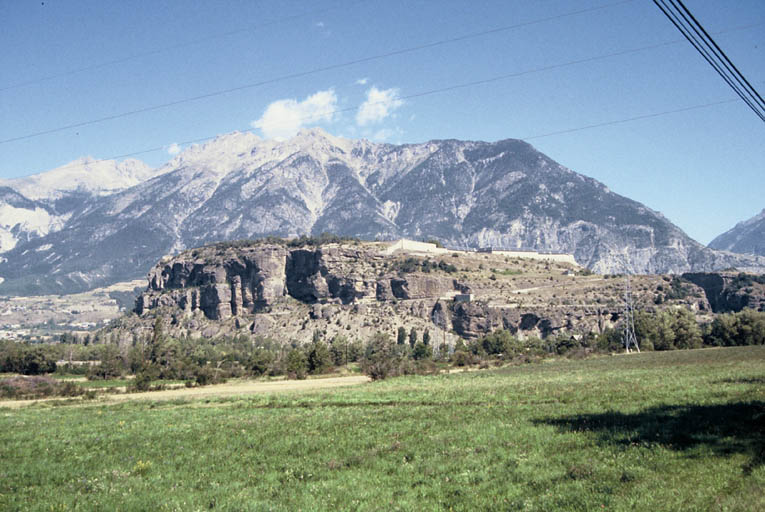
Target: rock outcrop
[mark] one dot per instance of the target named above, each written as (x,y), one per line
(356,289)
(224,282)
(730,292)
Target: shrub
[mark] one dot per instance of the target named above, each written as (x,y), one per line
(297,364)
(422,351)
(143,379)
(206,375)
(462,358)
(38,387)
(260,361)
(379,361)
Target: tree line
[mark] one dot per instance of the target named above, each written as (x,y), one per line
(160,357)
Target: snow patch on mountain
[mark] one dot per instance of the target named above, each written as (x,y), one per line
(98,177)
(16,223)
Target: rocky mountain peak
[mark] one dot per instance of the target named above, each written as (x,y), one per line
(86,174)
(747,237)
(466,194)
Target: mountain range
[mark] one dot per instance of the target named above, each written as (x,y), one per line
(92,223)
(747,237)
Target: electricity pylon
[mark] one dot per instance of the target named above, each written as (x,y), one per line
(628,336)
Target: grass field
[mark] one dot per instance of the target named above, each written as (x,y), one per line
(679,430)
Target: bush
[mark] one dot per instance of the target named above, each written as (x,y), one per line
(422,351)
(319,358)
(746,327)
(26,359)
(297,364)
(38,387)
(379,361)
(206,375)
(462,358)
(143,379)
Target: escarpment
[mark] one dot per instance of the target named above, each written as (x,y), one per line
(355,289)
(229,282)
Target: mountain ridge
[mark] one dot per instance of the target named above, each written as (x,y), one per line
(466,194)
(746,237)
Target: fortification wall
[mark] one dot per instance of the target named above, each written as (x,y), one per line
(411,246)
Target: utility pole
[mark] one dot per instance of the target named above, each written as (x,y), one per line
(628,336)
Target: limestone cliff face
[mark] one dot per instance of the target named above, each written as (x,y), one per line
(273,289)
(332,273)
(223,285)
(231,281)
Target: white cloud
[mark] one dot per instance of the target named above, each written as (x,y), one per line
(173,149)
(383,134)
(378,105)
(362,81)
(283,118)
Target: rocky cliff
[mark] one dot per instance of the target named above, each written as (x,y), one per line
(355,289)
(227,281)
(747,237)
(730,291)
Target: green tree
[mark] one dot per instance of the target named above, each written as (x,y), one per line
(297,364)
(426,337)
(338,349)
(260,361)
(378,360)
(645,330)
(35,361)
(412,337)
(723,331)
(665,332)
(319,358)
(499,342)
(401,336)
(687,330)
(751,327)
(111,364)
(157,341)
(422,351)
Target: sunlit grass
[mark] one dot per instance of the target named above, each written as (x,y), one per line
(678,430)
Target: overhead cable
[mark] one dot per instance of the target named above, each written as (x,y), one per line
(314,71)
(700,39)
(157,51)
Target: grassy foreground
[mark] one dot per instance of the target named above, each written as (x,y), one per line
(680,430)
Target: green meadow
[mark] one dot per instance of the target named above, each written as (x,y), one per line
(678,430)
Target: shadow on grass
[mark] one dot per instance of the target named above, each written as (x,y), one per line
(743,380)
(721,429)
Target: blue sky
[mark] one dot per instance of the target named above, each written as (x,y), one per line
(553,66)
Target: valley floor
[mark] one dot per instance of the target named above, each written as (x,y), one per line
(679,430)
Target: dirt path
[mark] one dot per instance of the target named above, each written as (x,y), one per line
(237,388)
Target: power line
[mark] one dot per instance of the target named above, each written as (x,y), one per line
(700,39)
(550,134)
(310,72)
(487,81)
(164,49)
(721,52)
(630,119)
(680,22)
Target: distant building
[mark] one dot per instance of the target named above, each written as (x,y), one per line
(464,297)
